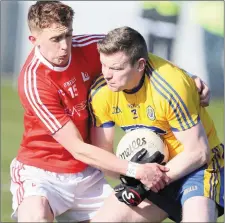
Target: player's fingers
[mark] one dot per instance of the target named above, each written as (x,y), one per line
(140,155)
(156,185)
(163,168)
(198,83)
(205,102)
(166,179)
(154,189)
(205,91)
(161,184)
(205,98)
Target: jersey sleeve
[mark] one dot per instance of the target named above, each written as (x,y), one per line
(42,103)
(99,105)
(180,100)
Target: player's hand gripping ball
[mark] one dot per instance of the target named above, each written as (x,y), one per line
(141,146)
(138,139)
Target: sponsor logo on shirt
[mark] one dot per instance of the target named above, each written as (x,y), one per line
(76,108)
(131,106)
(69,83)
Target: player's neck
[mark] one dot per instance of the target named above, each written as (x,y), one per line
(137,87)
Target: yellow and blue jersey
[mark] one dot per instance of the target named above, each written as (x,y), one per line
(165,101)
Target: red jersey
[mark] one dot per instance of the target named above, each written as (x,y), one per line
(51,96)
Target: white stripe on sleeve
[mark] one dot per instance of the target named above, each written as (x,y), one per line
(30,96)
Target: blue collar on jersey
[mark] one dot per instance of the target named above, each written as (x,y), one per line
(134,90)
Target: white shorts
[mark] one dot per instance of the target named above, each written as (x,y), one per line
(72,197)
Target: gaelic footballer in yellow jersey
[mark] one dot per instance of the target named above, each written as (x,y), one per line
(165,99)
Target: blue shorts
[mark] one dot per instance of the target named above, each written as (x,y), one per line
(195,185)
(207,181)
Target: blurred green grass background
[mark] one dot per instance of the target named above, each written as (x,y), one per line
(12,129)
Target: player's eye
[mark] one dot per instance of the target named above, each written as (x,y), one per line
(115,68)
(56,39)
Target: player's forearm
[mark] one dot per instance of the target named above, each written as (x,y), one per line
(196,152)
(111,174)
(70,138)
(99,158)
(185,163)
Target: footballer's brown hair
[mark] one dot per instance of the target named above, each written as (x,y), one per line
(44,13)
(127,40)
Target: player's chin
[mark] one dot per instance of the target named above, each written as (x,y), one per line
(62,61)
(114,88)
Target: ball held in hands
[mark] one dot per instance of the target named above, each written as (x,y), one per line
(139,139)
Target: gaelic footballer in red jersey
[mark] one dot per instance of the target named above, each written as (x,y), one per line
(53,95)
(53,87)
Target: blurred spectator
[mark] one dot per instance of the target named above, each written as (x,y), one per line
(210,16)
(163,18)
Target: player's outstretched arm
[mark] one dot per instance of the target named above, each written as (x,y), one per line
(195,154)
(69,137)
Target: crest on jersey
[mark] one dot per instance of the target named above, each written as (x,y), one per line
(150,113)
(85,76)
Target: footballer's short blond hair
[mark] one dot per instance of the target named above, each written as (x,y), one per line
(45,13)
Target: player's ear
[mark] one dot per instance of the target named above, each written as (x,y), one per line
(33,40)
(141,64)
(35,37)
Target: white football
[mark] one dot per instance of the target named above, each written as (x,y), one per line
(135,140)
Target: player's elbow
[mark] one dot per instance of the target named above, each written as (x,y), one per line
(204,155)
(202,145)
(78,150)
(75,148)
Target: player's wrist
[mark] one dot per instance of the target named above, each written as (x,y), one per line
(132,169)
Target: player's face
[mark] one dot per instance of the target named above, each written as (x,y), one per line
(118,72)
(55,44)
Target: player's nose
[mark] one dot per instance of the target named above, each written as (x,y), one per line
(64,44)
(107,73)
